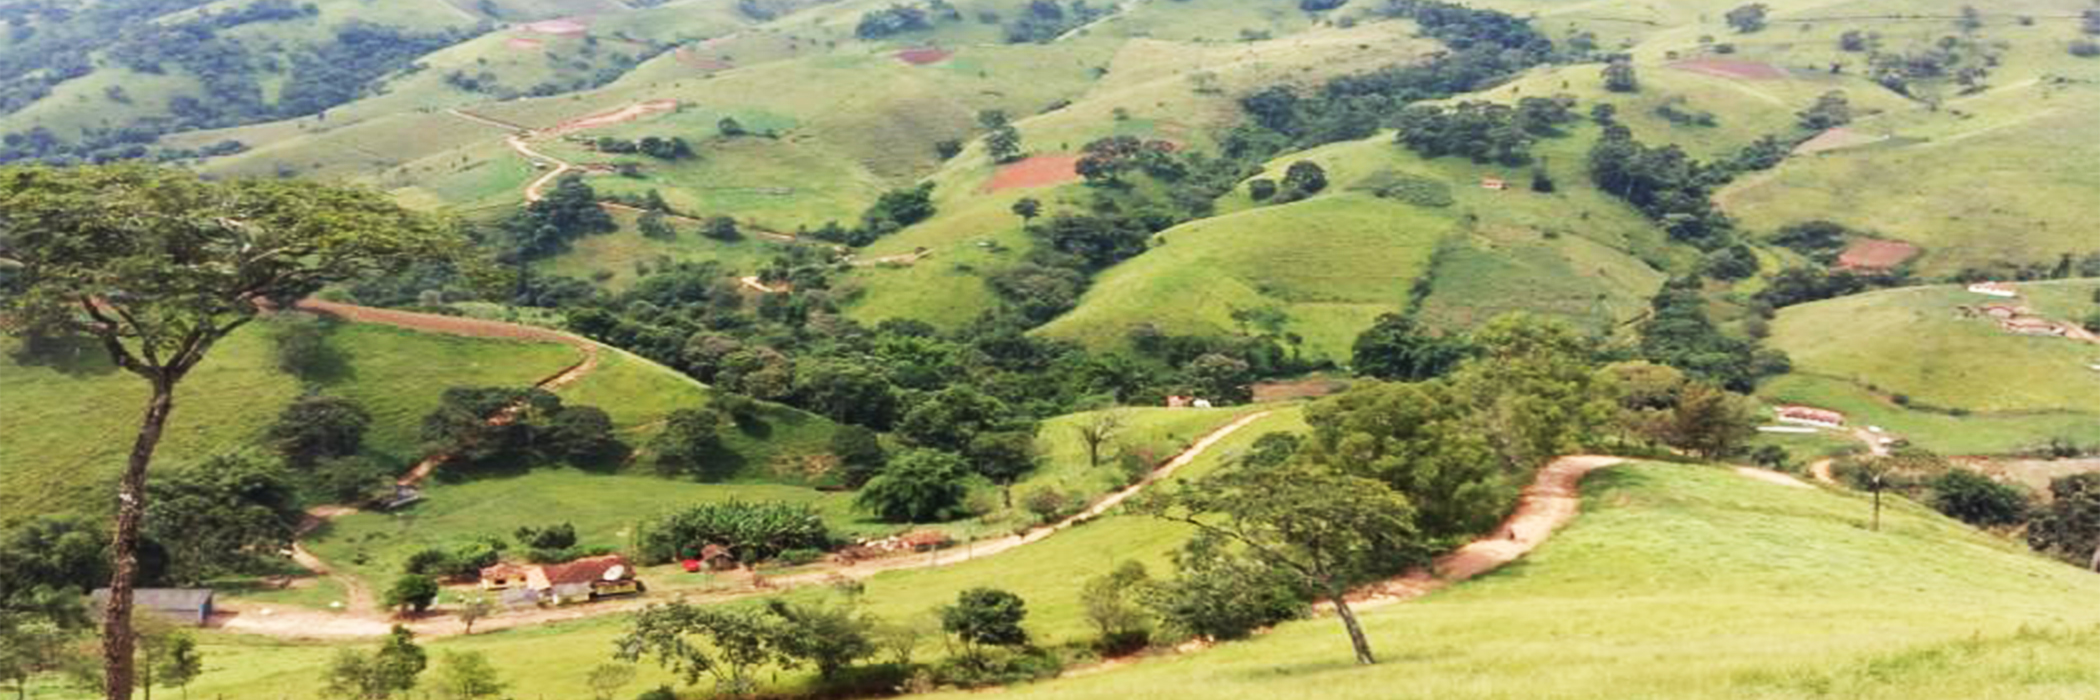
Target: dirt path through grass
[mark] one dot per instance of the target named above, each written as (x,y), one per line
(368,621)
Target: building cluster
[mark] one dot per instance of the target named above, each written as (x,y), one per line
(579,581)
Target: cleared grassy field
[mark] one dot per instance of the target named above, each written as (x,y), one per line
(1332,264)
(1692,582)
(67,430)
(1972,434)
(623,252)
(1918,342)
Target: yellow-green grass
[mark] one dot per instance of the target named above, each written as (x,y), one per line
(1971,434)
(1919,342)
(66,432)
(1332,264)
(1691,582)
(622,252)
(554,658)
(1158,432)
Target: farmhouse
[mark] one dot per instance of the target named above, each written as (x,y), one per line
(189,605)
(574,582)
(1493,183)
(1996,289)
(1811,416)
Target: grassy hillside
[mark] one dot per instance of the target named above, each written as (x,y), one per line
(68,449)
(1331,264)
(1690,582)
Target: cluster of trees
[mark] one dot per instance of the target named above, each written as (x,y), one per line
(1487,47)
(900,18)
(1044,20)
(730,644)
(1301,179)
(1679,333)
(658,147)
(465,426)
(1105,161)
(1485,132)
(891,212)
(567,212)
(753,532)
(396,667)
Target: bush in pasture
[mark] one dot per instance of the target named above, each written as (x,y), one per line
(753,532)
(918,486)
(1977,500)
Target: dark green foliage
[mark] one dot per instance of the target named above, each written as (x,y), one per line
(691,443)
(986,617)
(860,453)
(1820,240)
(1395,348)
(567,212)
(1113,603)
(753,532)
(1748,18)
(918,486)
(895,19)
(654,225)
(1664,183)
(557,536)
(315,427)
(1225,597)
(412,592)
(1830,110)
(831,637)
(228,514)
(1261,189)
(1100,241)
(1108,160)
(721,228)
(1272,449)
(1485,132)
(463,561)
(390,670)
(847,391)
(48,563)
(1733,262)
(580,433)
(1619,77)
(1002,456)
(1678,333)
(1003,144)
(300,347)
(951,418)
(1027,208)
(462,426)
(355,480)
(1797,285)
(1976,499)
(2069,527)
(1302,179)
(1039,293)
(1044,20)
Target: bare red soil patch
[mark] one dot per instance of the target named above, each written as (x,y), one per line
(1035,171)
(518,43)
(924,55)
(1744,70)
(1299,389)
(565,27)
(1875,254)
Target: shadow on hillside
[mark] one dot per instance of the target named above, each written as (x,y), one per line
(71,355)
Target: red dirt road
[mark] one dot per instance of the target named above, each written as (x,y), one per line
(924,55)
(1035,171)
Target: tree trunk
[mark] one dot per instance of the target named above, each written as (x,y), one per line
(117,641)
(1356,631)
(2096,557)
(1877,510)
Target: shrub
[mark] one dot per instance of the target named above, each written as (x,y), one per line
(1977,500)
(752,531)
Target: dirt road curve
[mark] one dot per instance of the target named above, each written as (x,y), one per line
(366,622)
(1550,502)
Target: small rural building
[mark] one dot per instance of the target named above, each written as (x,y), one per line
(187,605)
(1811,416)
(1179,401)
(1493,183)
(503,576)
(1996,289)
(716,557)
(591,577)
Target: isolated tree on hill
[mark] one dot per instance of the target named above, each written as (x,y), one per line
(1303,179)
(1111,601)
(1619,77)
(1748,18)
(467,675)
(730,127)
(984,617)
(653,225)
(1329,529)
(390,670)
(472,609)
(316,427)
(1003,144)
(1027,208)
(729,643)
(158,265)
(721,228)
(1830,110)
(2069,527)
(1096,431)
(412,592)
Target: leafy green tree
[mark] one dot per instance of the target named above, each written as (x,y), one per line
(474,608)
(860,453)
(1220,377)
(1099,240)
(1097,430)
(1748,18)
(721,228)
(177,662)
(49,563)
(1711,422)
(467,675)
(1112,604)
(1978,500)
(356,480)
(848,391)
(583,433)
(1619,77)
(1533,390)
(831,637)
(315,427)
(1003,144)
(691,443)
(411,592)
(1027,208)
(654,225)
(2069,527)
(1830,110)
(984,617)
(950,418)
(1302,179)
(1261,189)
(1396,348)
(918,486)
(300,346)
(730,127)
(31,645)
(1328,528)
(463,424)
(1220,595)
(228,514)
(729,643)
(380,675)
(1003,456)
(158,265)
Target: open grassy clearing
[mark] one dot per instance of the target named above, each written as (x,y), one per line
(1916,342)
(1331,263)
(1972,434)
(614,260)
(1691,582)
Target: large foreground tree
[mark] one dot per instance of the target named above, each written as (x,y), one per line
(158,265)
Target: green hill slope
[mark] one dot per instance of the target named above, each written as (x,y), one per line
(1689,582)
